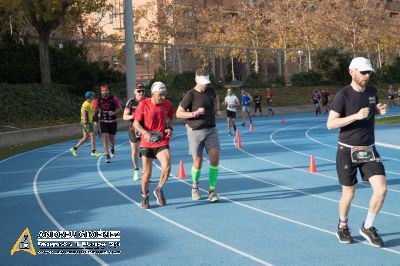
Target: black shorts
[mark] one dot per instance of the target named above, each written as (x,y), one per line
(110,128)
(134,136)
(257,106)
(347,170)
(230,114)
(152,152)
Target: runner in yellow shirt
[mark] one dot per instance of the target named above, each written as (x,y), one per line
(87,126)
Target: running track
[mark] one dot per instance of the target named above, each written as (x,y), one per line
(272,211)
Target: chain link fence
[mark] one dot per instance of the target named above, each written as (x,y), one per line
(233,64)
(229,64)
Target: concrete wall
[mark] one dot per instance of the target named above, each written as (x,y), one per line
(12,138)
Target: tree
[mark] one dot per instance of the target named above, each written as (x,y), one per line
(46,17)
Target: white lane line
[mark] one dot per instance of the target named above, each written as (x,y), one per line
(10,127)
(305,171)
(389,146)
(187,229)
(304,154)
(302,192)
(377,143)
(288,188)
(47,213)
(281,217)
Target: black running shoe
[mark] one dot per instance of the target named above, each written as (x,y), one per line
(344,236)
(145,202)
(372,236)
(160,197)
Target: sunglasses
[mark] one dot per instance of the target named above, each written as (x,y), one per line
(366,72)
(139,91)
(162,94)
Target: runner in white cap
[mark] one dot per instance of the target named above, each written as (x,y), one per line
(153,119)
(353,111)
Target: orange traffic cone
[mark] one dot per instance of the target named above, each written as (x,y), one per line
(251,127)
(283,120)
(181,170)
(239,142)
(312,168)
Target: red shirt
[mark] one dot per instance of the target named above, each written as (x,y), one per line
(153,117)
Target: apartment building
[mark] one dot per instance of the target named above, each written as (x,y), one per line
(393,6)
(113,24)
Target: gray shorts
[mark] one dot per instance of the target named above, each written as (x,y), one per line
(245,109)
(202,138)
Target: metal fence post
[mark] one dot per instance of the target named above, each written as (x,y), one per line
(129,50)
(173,58)
(248,62)
(280,62)
(212,61)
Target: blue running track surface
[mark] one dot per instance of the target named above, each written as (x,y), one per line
(272,211)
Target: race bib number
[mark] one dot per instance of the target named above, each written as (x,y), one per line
(362,154)
(105,115)
(155,136)
(232,106)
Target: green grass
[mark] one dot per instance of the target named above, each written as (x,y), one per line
(20,125)
(16,149)
(395,120)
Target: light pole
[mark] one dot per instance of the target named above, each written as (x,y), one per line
(146,57)
(130,59)
(300,53)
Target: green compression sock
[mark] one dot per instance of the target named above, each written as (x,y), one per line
(195,175)
(212,176)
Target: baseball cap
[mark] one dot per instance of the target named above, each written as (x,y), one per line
(139,86)
(361,64)
(203,80)
(158,87)
(89,94)
(202,77)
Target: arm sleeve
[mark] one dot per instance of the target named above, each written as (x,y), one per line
(186,102)
(338,103)
(128,105)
